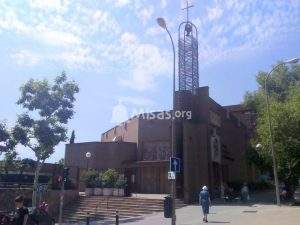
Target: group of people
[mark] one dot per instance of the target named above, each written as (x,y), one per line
(21,215)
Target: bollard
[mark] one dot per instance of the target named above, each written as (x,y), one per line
(87,219)
(117,217)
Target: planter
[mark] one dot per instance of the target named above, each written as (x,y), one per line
(121,192)
(98,191)
(116,192)
(107,191)
(89,191)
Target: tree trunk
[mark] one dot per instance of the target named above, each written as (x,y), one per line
(36,182)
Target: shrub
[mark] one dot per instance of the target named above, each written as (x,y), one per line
(121,182)
(98,181)
(89,178)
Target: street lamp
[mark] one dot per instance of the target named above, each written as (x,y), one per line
(88,156)
(162,23)
(258,146)
(294,60)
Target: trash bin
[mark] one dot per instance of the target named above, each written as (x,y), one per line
(168,207)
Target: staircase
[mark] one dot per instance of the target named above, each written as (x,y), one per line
(104,208)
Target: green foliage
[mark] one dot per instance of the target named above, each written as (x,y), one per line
(109,178)
(48,108)
(98,181)
(284,89)
(286,129)
(121,182)
(280,82)
(7,143)
(89,178)
(253,157)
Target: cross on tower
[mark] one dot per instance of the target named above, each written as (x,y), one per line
(187,10)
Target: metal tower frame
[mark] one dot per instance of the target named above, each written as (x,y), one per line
(188,56)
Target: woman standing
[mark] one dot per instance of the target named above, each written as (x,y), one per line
(204,201)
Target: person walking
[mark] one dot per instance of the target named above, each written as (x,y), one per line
(21,213)
(204,201)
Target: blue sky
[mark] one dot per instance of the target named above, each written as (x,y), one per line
(118,55)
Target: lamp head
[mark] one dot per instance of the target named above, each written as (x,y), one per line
(161,22)
(258,146)
(294,60)
(88,155)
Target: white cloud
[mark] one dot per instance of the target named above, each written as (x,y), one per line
(136,100)
(147,62)
(79,58)
(50,5)
(214,13)
(145,14)
(154,31)
(233,28)
(163,3)
(26,58)
(121,3)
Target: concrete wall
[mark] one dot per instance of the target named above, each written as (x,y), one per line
(127,131)
(104,154)
(154,137)
(195,160)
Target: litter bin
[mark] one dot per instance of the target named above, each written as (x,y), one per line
(168,207)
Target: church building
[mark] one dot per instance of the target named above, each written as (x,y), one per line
(210,139)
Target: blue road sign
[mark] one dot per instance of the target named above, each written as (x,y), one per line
(175,164)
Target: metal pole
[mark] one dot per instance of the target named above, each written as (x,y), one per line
(271,136)
(173,182)
(62,194)
(117,217)
(88,219)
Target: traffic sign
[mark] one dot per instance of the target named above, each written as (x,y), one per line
(171,175)
(175,164)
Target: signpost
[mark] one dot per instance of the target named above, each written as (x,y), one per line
(171,175)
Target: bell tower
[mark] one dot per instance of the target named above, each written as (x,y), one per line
(188,54)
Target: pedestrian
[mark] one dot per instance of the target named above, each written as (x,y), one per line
(245,193)
(21,213)
(204,201)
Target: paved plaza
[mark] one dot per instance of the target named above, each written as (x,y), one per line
(258,214)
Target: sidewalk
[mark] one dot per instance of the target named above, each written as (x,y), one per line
(233,215)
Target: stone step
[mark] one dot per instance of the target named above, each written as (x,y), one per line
(128,207)
(114,205)
(119,200)
(113,210)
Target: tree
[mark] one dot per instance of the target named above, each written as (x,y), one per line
(7,143)
(48,108)
(72,139)
(7,146)
(284,89)
(285,118)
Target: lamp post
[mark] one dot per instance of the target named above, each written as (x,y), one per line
(162,23)
(295,60)
(88,156)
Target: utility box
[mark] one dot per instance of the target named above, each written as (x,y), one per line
(168,207)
